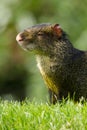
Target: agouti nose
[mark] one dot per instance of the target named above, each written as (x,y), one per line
(19,38)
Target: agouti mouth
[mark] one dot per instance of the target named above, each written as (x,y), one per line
(19,38)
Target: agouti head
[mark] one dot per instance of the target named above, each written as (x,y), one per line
(41,38)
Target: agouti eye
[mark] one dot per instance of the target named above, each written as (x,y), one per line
(40,34)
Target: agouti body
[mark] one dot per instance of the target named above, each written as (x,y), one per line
(63,67)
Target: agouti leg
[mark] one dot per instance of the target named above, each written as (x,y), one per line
(53,97)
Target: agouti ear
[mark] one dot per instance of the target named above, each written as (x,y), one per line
(57,30)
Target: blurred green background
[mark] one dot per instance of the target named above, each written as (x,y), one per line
(19,75)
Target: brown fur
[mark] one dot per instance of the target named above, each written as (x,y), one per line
(64,68)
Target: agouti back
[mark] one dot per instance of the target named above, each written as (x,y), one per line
(63,67)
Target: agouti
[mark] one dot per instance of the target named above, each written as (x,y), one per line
(63,67)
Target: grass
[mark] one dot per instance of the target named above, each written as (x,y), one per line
(39,116)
